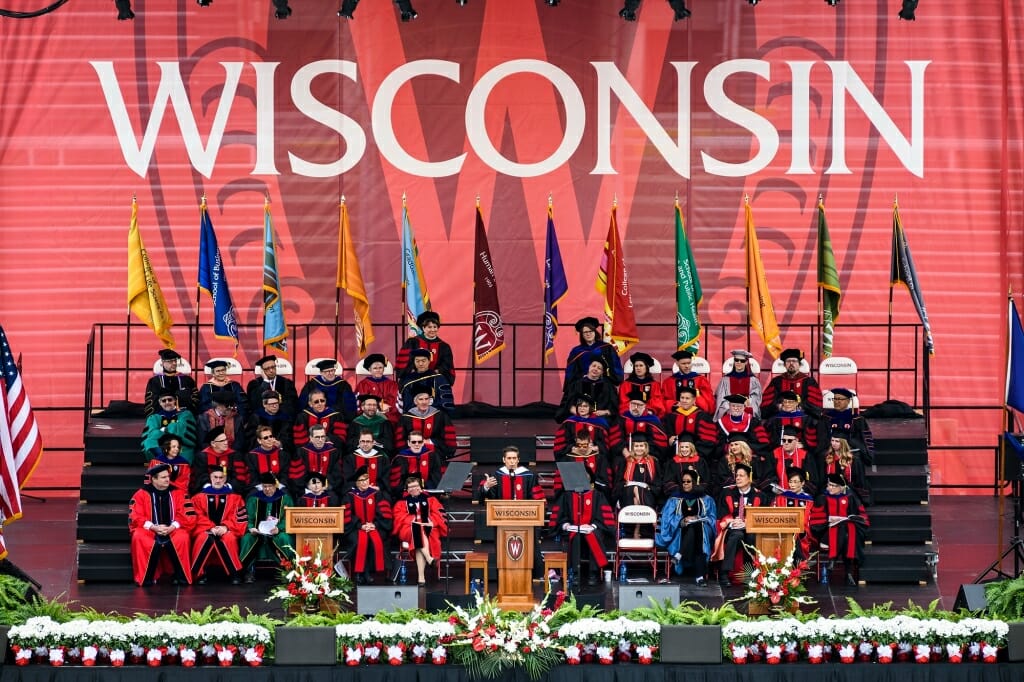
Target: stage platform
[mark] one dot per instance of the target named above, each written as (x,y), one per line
(48,544)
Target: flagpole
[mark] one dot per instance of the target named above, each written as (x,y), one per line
(202,207)
(746,202)
(821,310)
(472,379)
(888,353)
(337,289)
(127,329)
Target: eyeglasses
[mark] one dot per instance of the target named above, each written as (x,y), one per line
(789,440)
(266,437)
(318,435)
(415,442)
(739,360)
(687,481)
(273,404)
(219,440)
(318,402)
(365,479)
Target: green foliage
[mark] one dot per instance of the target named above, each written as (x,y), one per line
(57,609)
(932,611)
(569,612)
(402,616)
(1006,599)
(686,613)
(883,611)
(13,593)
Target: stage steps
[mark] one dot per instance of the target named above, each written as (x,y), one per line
(900,549)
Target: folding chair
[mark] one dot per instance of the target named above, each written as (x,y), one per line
(628,548)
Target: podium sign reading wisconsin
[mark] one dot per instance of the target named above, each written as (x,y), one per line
(515,520)
(775,528)
(314,524)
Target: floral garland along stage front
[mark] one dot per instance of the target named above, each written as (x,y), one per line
(108,642)
(500,639)
(865,639)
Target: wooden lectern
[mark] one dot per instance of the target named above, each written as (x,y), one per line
(314,524)
(775,528)
(515,521)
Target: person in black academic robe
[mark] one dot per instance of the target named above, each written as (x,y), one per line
(183,386)
(270,381)
(438,351)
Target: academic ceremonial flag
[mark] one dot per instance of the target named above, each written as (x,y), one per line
(902,271)
(145,298)
(556,286)
(688,292)
(1015,361)
(828,280)
(488,331)
(275,330)
(20,444)
(213,280)
(414,286)
(613,283)
(759,300)
(350,278)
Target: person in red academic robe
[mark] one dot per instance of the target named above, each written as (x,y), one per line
(420,521)
(641,381)
(732,522)
(385,388)
(435,425)
(686,419)
(683,376)
(589,522)
(319,456)
(367,454)
(318,412)
(159,520)
(441,358)
(418,459)
(316,494)
(220,525)
(796,496)
(804,385)
(368,520)
(839,522)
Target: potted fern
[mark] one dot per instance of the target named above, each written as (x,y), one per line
(1006,602)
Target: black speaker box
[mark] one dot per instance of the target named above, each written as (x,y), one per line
(971,597)
(639,595)
(370,600)
(439,601)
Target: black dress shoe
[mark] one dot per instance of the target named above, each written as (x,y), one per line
(368,578)
(627,14)
(201,580)
(250,577)
(345,15)
(236,579)
(850,580)
(409,16)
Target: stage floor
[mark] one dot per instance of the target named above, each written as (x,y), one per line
(966,531)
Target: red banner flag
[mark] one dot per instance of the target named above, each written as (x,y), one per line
(613,283)
(488,331)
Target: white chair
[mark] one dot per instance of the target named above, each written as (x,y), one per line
(284,369)
(654,369)
(389,369)
(754,366)
(779,367)
(234,366)
(836,366)
(627,549)
(183,367)
(311,366)
(700,366)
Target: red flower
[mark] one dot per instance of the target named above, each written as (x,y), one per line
(478,644)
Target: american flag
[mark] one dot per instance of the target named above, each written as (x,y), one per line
(20,444)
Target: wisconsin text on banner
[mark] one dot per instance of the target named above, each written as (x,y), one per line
(145,298)
(20,444)
(350,278)
(555,284)
(213,280)
(902,271)
(1015,360)
(828,280)
(275,330)
(759,299)
(688,291)
(414,286)
(488,331)
(613,283)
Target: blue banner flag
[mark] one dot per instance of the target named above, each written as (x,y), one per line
(1015,361)
(902,271)
(555,285)
(213,280)
(275,330)
(414,286)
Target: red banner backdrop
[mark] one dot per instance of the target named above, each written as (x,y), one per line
(513,102)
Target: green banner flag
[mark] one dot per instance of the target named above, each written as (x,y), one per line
(688,291)
(828,280)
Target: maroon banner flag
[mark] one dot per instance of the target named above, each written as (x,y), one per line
(613,283)
(488,331)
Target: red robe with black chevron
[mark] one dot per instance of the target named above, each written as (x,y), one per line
(578,509)
(362,507)
(156,508)
(217,507)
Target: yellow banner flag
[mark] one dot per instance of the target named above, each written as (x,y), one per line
(759,300)
(144,296)
(350,278)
